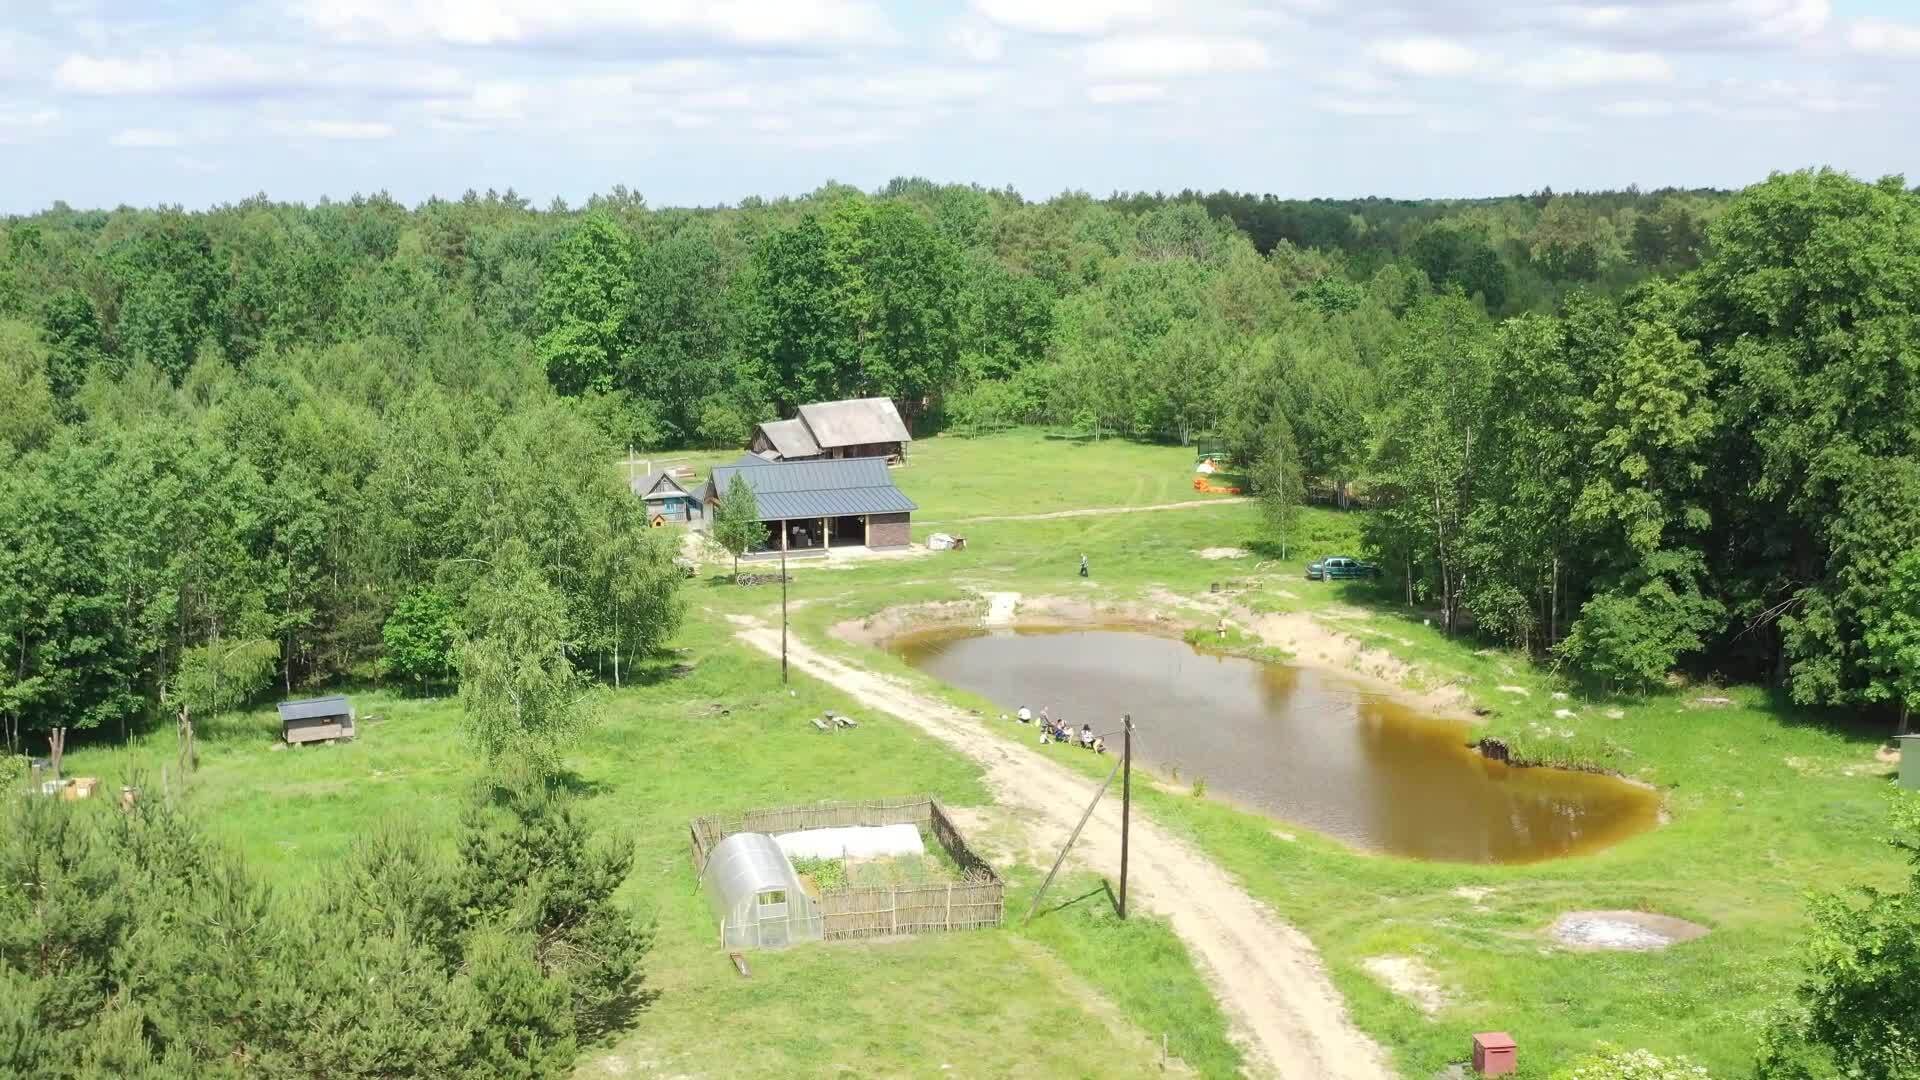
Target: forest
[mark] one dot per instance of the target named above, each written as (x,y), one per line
(1624,430)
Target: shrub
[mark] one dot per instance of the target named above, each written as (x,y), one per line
(1611,1064)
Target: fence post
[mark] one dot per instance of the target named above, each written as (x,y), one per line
(893,910)
(949,905)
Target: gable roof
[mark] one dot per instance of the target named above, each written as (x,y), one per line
(854,423)
(659,485)
(803,489)
(308,708)
(790,438)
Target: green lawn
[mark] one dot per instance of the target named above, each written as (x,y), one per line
(724,736)
(1765,804)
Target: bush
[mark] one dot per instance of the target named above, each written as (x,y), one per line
(1611,1064)
(1857,1013)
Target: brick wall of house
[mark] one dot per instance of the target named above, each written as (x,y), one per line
(888,530)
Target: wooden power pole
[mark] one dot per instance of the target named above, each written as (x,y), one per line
(783,615)
(1126,800)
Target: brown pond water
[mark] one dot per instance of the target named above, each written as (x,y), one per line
(1306,747)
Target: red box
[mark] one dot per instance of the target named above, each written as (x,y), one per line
(1494,1054)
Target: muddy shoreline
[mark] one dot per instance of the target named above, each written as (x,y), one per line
(1307,643)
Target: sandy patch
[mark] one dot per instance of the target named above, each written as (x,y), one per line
(1638,931)
(1887,755)
(1517,691)
(1000,608)
(1410,978)
(1222,553)
(1713,702)
(1473,893)
(848,558)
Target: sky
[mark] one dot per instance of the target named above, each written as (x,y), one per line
(703,102)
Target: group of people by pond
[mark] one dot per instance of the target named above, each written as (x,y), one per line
(1059,731)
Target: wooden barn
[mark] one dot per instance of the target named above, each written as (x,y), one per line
(815,506)
(667,502)
(321,719)
(859,428)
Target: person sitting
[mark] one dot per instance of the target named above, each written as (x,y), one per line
(1086,736)
(1099,745)
(1025,715)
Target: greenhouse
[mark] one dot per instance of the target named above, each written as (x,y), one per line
(754,892)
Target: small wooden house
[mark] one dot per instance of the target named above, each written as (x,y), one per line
(859,428)
(667,502)
(320,719)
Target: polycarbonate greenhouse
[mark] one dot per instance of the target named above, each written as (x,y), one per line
(754,892)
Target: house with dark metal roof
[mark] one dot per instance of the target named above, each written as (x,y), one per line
(667,501)
(814,506)
(858,428)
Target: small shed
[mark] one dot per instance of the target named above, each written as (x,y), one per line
(667,501)
(320,719)
(756,895)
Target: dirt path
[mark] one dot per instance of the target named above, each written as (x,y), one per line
(1265,973)
(1094,511)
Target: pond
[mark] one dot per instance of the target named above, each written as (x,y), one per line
(1303,746)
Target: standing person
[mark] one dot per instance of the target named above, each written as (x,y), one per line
(1083,564)
(1045,720)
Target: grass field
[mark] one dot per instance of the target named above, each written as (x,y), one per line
(1765,803)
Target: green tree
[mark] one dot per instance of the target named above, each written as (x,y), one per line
(530,864)
(1277,480)
(1892,639)
(27,416)
(421,636)
(518,687)
(216,677)
(736,521)
(586,299)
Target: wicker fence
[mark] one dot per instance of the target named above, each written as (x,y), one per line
(855,912)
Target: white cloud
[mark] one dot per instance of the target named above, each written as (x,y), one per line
(506,23)
(19,122)
(1125,93)
(1637,107)
(1155,56)
(349,129)
(1592,67)
(977,42)
(146,138)
(1069,16)
(489,104)
(1885,37)
(1365,107)
(1431,57)
(1695,23)
(210,71)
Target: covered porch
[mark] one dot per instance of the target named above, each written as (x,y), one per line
(813,535)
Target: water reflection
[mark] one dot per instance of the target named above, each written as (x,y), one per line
(1302,745)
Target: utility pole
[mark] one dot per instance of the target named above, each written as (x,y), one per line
(783,615)
(1126,800)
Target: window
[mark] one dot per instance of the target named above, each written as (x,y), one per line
(773,897)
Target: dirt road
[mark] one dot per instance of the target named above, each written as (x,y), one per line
(1093,511)
(1265,973)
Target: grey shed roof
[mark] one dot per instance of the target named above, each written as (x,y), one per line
(852,423)
(790,438)
(658,485)
(308,708)
(803,489)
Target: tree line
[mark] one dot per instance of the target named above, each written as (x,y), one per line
(321,426)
